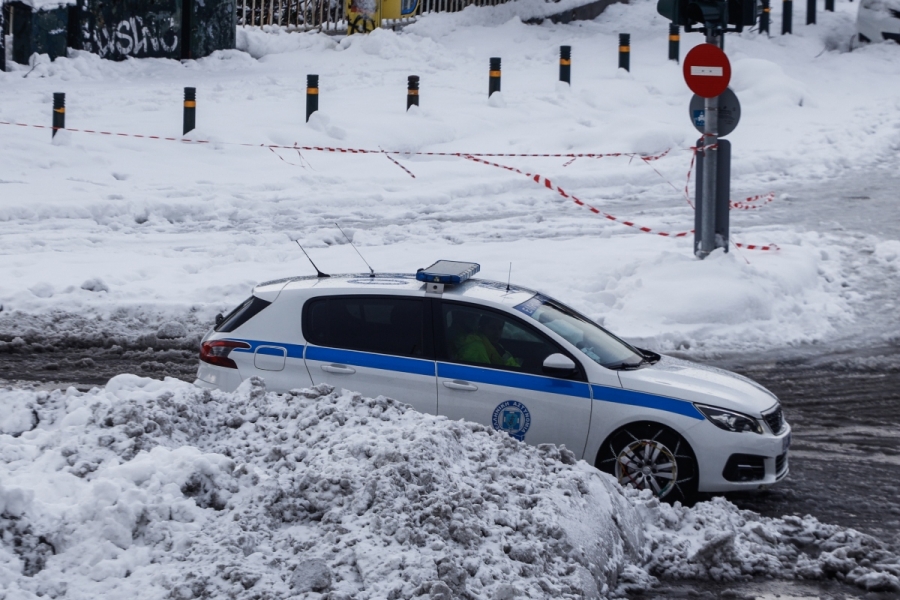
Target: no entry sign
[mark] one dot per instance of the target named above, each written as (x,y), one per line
(707,70)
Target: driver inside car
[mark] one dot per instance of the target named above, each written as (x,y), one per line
(483,345)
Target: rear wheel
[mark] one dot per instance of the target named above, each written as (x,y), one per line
(650,456)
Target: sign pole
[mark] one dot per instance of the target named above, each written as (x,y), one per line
(707,232)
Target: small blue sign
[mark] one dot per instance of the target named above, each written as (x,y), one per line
(699,118)
(512,417)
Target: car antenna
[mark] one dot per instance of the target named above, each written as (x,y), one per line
(371,270)
(509,278)
(318,272)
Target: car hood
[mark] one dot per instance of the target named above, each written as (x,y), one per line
(676,378)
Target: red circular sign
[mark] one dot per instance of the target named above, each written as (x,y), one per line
(707,70)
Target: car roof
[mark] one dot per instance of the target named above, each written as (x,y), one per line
(392,283)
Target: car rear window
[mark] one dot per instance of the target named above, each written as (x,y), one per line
(381,324)
(248,309)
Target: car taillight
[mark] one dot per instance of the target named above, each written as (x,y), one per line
(216,352)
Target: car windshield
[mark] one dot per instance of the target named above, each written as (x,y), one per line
(598,344)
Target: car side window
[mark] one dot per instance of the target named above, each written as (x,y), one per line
(379,324)
(478,336)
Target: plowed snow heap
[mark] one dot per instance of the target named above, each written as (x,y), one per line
(150,489)
(153,490)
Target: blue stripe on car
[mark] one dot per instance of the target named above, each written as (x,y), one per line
(523,381)
(415,366)
(632,398)
(516,380)
(293,350)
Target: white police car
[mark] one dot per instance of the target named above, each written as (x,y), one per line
(512,359)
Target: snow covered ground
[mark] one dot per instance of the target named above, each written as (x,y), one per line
(158,490)
(119,235)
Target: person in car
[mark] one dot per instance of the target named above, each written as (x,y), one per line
(483,345)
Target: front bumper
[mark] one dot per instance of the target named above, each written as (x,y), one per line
(714,447)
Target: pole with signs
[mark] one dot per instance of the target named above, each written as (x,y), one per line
(707,72)
(710,154)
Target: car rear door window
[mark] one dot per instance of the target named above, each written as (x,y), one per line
(379,324)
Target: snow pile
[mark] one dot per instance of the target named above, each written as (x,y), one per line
(149,489)
(715,540)
(159,490)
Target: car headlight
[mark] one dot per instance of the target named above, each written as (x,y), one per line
(729,420)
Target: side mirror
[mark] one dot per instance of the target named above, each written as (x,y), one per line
(219,319)
(559,365)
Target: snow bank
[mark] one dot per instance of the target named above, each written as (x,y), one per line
(159,490)
(151,489)
(715,540)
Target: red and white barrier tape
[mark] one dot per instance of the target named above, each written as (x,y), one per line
(745,204)
(339,150)
(473,156)
(541,180)
(396,162)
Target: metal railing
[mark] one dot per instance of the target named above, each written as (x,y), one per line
(328,15)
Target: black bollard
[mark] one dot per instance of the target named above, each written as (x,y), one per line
(312,95)
(787,17)
(829,5)
(764,17)
(565,64)
(412,91)
(810,12)
(59,112)
(494,77)
(674,39)
(625,51)
(190,109)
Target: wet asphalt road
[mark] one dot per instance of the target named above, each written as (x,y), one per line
(845,457)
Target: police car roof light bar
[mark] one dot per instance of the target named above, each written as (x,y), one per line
(448,271)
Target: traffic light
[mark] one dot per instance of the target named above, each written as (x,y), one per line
(674,10)
(720,13)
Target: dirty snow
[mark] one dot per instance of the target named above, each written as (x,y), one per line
(159,490)
(151,489)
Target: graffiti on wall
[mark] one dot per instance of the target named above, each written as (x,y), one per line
(135,36)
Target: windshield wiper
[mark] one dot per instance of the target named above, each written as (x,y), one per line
(627,366)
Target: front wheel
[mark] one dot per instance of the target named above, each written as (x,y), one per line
(650,456)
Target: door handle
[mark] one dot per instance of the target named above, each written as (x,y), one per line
(341,369)
(460,385)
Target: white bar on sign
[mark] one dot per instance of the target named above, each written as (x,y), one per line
(707,71)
